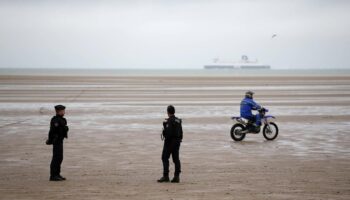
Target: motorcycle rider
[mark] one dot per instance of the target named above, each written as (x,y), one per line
(247,105)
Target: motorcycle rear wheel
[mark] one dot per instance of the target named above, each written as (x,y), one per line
(234,135)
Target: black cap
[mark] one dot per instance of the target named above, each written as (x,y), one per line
(171,109)
(60,107)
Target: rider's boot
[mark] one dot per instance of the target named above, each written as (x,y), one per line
(257,128)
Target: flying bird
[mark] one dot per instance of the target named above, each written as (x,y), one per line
(273,36)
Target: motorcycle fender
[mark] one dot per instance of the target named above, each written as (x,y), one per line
(269,116)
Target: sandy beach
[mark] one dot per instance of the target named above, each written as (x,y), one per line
(114,146)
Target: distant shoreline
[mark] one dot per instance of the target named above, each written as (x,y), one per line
(173,72)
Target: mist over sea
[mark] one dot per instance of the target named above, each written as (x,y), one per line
(174,72)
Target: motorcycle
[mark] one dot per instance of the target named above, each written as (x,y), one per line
(245,126)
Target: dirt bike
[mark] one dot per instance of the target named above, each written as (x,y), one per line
(245,126)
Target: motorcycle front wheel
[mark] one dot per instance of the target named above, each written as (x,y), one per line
(235,135)
(270,131)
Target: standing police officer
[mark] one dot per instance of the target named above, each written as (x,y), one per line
(172,133)
(58,131)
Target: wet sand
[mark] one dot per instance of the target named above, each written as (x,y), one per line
(114,146)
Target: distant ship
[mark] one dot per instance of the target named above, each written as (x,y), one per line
(244,63)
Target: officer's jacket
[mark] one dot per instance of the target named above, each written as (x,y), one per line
(172,129)
(247,105)
(58,130)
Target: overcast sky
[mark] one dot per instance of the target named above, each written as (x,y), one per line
(173,33)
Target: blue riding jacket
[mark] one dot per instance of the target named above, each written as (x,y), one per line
(247,105)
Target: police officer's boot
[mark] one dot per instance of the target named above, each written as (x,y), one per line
(176,179)
(164,179)
(61,177)
(55,178)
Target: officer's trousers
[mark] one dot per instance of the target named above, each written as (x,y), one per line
(171,147)
(57,158)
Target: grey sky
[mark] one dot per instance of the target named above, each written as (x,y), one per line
(173,34)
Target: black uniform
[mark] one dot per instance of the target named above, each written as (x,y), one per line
(173,136)
(58,131)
